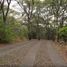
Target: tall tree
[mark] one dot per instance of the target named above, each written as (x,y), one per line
(5,12)
(27,6)
(4,9)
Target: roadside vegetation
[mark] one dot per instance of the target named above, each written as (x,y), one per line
(40,19)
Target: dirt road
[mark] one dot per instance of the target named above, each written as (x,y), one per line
(32,53)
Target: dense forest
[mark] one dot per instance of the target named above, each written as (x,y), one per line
(37,19)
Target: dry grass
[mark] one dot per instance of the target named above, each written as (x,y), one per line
(62,48)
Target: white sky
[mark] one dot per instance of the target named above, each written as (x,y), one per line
(15,6)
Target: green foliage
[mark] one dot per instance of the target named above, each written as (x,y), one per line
(8,35)
(6,32)
(23,32)
(50,33)
(42,17)
(12,30)
(63,33)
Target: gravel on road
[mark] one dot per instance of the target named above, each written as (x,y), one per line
(34,53)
